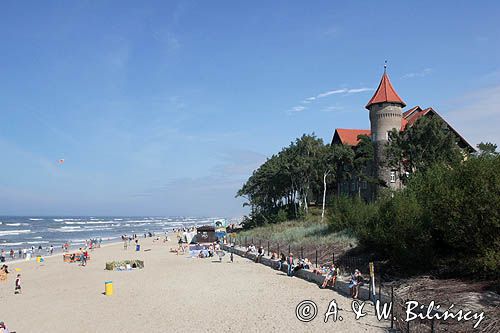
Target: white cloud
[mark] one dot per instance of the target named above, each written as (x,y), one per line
(331,92)
(345,91)
(298,108)
(358,90)
(422,73)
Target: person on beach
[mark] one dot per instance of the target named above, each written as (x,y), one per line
(3,328)
(290,264)
(125,245)
(331,277)
(11,254)
(2,256)
(355,283)
(51,249)
(260,253)
(83,259)
(281,261)
(17,289)
(20,253)
(3,273)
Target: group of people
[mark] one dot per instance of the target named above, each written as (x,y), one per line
(302,263)
(93,243)
(330,271)
(24,253)
(128,239)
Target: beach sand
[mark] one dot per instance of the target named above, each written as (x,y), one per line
(171,294)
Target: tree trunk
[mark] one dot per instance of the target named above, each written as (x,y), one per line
(324,196)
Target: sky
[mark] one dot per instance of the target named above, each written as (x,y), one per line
(166,107)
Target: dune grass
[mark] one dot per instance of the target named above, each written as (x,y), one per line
(308,232)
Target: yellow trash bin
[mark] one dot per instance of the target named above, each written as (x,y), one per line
(108,288)
(38,259)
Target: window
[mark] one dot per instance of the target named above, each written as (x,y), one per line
(393,176)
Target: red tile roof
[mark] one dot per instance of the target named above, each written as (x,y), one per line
(385,93)
(350,136)
(412,117)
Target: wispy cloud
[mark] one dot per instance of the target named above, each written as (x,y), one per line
(422,73)
(342,91)
(298,108)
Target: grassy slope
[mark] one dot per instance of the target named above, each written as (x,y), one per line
(309,234)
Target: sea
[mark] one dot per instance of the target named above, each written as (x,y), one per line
(25,232)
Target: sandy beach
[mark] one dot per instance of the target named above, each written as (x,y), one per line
(172,293)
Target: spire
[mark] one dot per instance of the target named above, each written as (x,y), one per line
(385,92)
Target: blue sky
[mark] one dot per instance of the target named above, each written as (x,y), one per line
(165,108)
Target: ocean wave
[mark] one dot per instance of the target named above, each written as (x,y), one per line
(36,219)
(39,242)
(14,232)
(98,222)
(11,244)
(72,222)
(15,224)
(58,220)
(67,229)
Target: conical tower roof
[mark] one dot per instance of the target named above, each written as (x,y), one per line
(385,93)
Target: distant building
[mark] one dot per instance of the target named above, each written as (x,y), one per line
(386,114)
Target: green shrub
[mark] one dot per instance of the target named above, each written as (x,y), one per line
(350,213)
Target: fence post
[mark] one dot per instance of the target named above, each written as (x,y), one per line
(289,251)
(408,322)
(392,307)
(333,257)
(380,284)
(370,289)
(380,290)
(316,258)
(268,248)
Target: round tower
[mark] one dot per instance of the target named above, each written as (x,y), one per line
(385,114)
